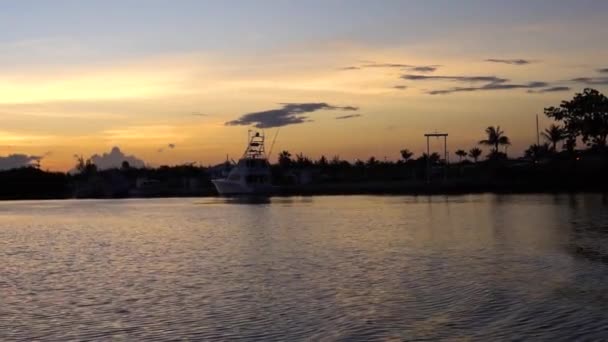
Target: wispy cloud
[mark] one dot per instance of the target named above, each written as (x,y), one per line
(490,86)
(603,70)
(554,89)
(400,87)
(386,65)
(426,68)
(509,61)
(169,146)
(289,114)
(350,116)
(591,80)
(490,79)
(488,83)
(410,67)
(199,114)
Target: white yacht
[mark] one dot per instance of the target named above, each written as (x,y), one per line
(251,175)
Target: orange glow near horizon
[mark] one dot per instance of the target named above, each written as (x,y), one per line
(143,105)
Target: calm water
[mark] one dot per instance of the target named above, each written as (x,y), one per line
(480,267)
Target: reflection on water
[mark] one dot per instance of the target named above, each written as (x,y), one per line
(479,267)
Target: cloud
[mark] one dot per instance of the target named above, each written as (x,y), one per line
(386,65)
(199,114)
(289,114)
(490,86)
(427,68)
(170,146)
(550,90)
(400,87)
(417,68)
(15,161)
(491,83)
(350,116)
(509,61)
(114,159)
(489,79)
(591,80)
(603,70)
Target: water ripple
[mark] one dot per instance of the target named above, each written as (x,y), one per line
(324,268)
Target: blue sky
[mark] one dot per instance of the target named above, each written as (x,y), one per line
(110,29)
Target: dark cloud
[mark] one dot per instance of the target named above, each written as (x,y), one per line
(400,87)
(603,70)
(114,159)
(509,61)
(489,79)
(591,80)
(350,116)
(427,68)
(289,114)
(490,86)
(488,83)
(171,146)
(549,90)
(417,68)
(15,161)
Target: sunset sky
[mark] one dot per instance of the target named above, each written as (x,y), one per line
(172,82)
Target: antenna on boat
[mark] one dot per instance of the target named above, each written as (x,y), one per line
(273,141)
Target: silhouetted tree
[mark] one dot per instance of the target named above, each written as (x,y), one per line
(496,138)
(125,165)
(85,166)
(475,153)
(406,155)
(585,115)
(302,160)
(554,134)
(285,159)
(322,162)
(433,159)
(461,154)
(372,161)
(537,152)
(336,160)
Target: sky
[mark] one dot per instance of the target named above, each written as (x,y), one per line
(172,82)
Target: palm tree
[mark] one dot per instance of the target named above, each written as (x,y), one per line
(461,154)
(406,155)
(475,153)
(554,134)
(496,137)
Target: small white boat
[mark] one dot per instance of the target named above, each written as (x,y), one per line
(251,174)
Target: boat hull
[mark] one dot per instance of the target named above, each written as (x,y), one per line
(229,188)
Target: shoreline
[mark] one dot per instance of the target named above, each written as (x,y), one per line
(389,188)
